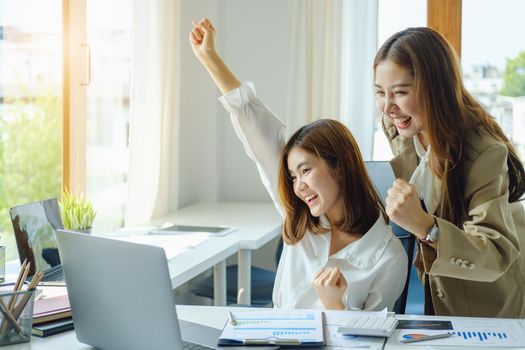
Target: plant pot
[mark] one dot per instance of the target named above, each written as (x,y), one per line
(86,230)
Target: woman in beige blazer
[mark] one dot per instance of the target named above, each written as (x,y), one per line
(459,180)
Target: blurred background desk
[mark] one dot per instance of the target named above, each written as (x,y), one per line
(256,223)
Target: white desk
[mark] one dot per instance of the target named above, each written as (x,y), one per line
(212,316)
(256,223)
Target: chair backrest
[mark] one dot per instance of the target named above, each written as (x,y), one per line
(278,251)
(382,176)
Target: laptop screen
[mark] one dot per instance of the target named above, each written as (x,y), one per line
(34,225)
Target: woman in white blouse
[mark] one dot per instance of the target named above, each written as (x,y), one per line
(339,252)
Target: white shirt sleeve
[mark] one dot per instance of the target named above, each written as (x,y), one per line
(260,131)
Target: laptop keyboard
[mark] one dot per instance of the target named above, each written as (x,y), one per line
(54,275)
(192,346)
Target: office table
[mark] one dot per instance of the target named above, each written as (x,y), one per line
(212,316)
(256,223)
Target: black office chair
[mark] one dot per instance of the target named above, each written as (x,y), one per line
(262,283)
(382,176)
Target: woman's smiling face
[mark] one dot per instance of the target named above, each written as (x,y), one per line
(396,97)
(314,182)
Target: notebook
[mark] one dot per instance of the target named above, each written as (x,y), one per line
(34,225)
(52,327)
(121,296)
(51,309)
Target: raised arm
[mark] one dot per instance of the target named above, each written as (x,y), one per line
(258,128)
(202,39)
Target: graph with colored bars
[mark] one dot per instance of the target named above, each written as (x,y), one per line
(251,322)
(292,332)
(303,317)
(260,323)
(481,336)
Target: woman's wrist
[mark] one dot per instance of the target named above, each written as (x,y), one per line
(210,58)
(426,224)
(334,305)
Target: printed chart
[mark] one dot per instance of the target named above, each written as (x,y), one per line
(275,326)
(474,332)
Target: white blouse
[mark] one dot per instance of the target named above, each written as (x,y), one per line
(427,184)
(375,266)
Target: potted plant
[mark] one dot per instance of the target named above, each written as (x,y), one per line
(77,212)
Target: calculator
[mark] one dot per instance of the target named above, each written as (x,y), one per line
(368,326)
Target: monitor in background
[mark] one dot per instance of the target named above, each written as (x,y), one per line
(35,226)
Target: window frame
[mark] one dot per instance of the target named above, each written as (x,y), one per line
(76,54)
(445,17)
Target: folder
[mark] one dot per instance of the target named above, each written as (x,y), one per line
(53,327)
(301,328)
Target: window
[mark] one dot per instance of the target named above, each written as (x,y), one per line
(394,16)
(493,62)
(108,100)
(30,107)
(34,91)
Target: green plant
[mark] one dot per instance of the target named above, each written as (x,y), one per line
(30,152)
(514,76)
(76,211)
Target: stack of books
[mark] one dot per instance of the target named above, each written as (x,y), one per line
(51,316)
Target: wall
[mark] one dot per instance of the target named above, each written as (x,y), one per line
(255,45)
(198,126)
(253,40)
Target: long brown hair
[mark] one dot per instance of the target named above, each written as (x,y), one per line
(331,141)
(449,112)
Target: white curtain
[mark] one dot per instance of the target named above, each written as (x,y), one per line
(154,111)
(359,43)
(332,46)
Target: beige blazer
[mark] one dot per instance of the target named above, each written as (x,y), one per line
(476,269)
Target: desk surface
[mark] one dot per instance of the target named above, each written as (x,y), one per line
(256,223)
(212,316)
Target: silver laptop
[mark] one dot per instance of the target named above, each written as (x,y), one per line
(121,296)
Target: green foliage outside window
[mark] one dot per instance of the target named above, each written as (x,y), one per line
(30,156)
(514,77)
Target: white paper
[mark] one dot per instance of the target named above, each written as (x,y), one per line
(305,325)
(472,332)
(51,291)
(172,245)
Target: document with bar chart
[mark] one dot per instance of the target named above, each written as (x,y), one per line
(478,332)
(282,327)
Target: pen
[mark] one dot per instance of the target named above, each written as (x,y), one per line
(427,337)
(272,342)
(233,321)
